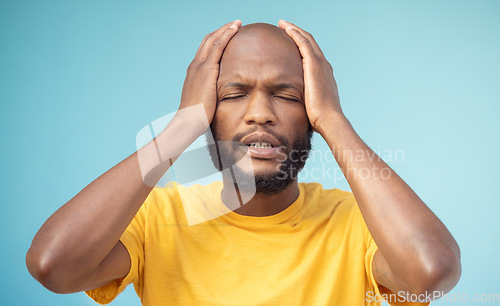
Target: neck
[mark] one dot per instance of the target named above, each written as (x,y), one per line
(260,205)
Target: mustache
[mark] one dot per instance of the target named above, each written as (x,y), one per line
(283,141)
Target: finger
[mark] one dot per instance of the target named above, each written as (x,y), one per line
(213,33)
(305,44)
(201,46)
(214,36)
(218,46)
(285,25)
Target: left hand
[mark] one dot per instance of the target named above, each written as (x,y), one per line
(320,89)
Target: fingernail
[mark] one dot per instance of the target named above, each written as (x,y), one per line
(234,27)
(289,28)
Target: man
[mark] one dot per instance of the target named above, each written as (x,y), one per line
(263,90)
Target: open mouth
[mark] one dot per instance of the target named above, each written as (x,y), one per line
(262,150)
(260,145)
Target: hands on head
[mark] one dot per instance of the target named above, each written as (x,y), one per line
(202,73)
(320,94)
(320,88)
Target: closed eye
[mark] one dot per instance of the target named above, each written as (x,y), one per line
(288,99)
(232,97)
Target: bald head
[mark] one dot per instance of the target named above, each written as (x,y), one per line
(260,52)
(261,38)
(265,31)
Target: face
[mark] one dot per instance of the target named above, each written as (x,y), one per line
(261,107)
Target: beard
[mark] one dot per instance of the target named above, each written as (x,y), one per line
(225,154)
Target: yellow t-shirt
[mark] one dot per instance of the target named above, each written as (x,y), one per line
(318,251)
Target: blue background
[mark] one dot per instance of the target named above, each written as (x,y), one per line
(79,79)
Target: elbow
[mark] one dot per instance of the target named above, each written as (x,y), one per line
(438,276)
(44,269)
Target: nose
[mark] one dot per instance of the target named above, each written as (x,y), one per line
(260,110)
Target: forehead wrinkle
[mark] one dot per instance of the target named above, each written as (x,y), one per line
(277,78)
(273,85)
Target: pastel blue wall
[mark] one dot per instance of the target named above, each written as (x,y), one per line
(79,79)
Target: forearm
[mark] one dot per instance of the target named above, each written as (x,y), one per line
(411,239)
(78,236)
(409,236)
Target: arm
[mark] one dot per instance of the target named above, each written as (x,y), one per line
(78,247)
(416,253)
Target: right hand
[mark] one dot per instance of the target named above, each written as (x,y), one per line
(200,85)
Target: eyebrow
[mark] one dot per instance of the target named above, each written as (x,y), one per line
(235,84)
(276,86)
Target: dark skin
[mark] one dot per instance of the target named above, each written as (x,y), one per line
(261,84)
(417,253)
(78,247)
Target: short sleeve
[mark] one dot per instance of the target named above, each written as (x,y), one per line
(133,240)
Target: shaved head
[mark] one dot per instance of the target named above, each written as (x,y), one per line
(260,45)
(265,31)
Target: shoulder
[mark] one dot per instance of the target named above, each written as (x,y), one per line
(329,201)
(174,193)
(315,192)
(175,202)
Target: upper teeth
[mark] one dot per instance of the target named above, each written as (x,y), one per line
(260,145)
